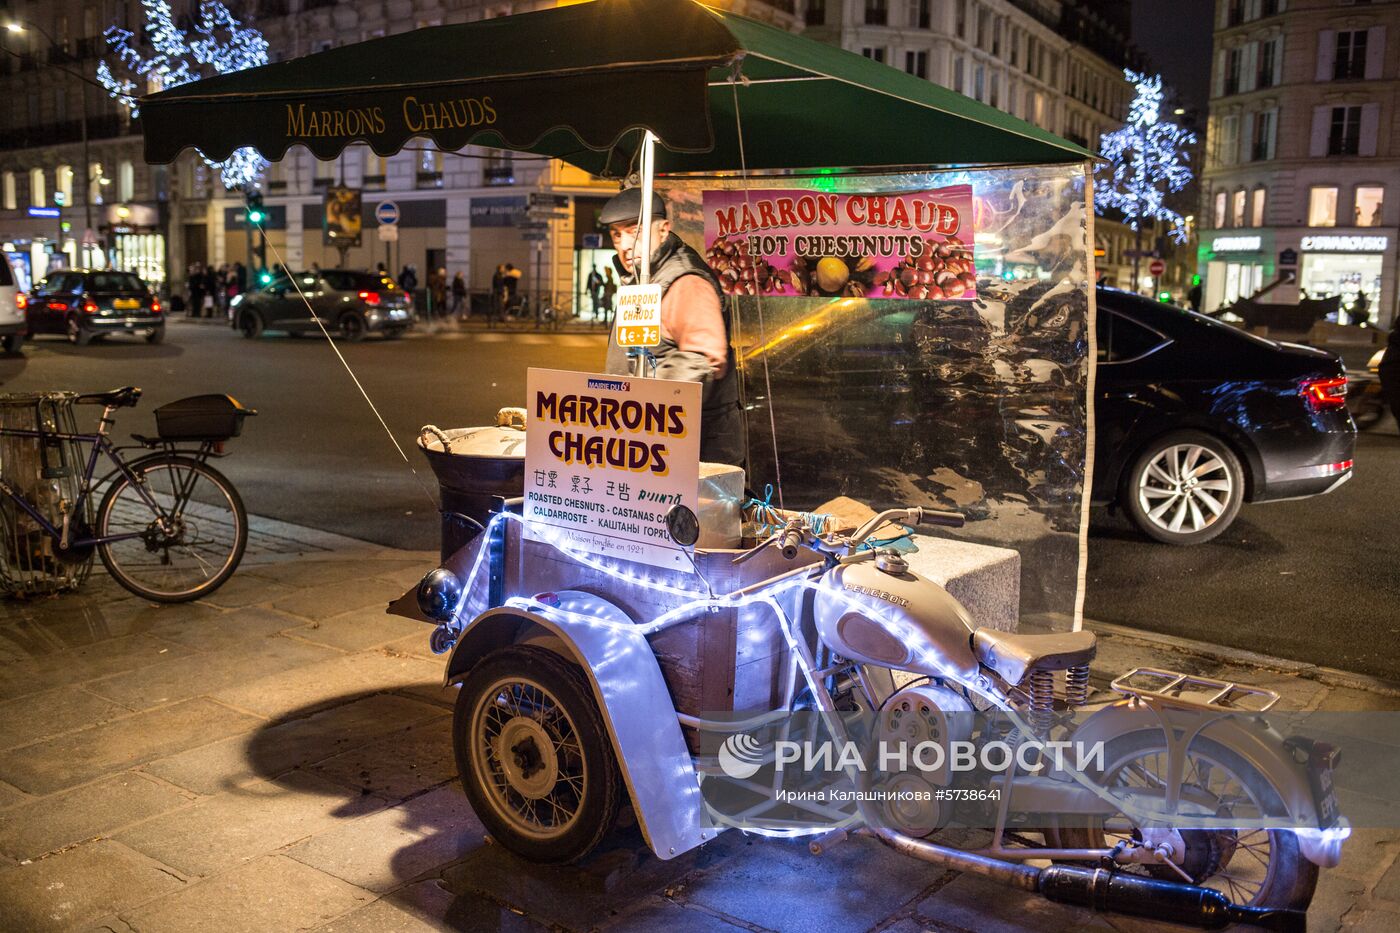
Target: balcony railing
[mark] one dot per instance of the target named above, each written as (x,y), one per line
(374,181)
(498,175)
(429,179)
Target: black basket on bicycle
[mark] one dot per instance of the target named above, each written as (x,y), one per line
(201,418)
(46,470)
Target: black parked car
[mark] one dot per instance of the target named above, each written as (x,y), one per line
(1195,417)
(87,305)
(349,303)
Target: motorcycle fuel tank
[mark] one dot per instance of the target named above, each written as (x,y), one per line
(885,615)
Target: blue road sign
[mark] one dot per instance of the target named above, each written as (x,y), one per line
(387,212)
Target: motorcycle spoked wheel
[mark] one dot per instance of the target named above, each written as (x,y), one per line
(1254,867)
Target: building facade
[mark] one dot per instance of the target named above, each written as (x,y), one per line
(1301,190)
(1056,63)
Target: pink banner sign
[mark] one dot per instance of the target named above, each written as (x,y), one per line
(915,244)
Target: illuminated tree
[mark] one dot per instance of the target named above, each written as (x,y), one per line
(216,44)
(1148,159)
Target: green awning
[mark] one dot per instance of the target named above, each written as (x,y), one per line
(581,82)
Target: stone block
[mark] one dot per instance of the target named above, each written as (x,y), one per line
(389,848)
(58,763)
(219,832)
(658,913)
(338,680)
(32,829)
(986,580)
(426,907)
(79,885)
(360,629)
(271,893)
(401,763)
(88,662)
(273,750)
(54,712)
(322,602)
(969,902)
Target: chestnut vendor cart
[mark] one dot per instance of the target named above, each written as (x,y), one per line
(593,681)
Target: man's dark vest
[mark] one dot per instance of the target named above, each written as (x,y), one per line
(721,428)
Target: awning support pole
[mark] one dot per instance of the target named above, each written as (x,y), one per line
(644,234)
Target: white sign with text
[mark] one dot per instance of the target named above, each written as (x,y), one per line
(638,319)
(606,457)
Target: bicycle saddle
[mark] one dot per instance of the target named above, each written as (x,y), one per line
(125,397)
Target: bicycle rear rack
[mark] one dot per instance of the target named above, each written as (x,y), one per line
(1185,690)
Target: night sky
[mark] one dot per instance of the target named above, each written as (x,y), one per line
(1176,35)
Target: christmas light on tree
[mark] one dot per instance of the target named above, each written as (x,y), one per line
(217,43)
(1147,160)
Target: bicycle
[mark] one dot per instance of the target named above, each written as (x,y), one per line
(170,527)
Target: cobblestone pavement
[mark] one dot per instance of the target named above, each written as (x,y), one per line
(278,757)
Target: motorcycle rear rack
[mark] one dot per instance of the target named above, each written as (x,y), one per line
(1185,690)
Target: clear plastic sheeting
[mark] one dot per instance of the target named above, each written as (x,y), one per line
(978,406)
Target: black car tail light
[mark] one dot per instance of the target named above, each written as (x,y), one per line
(89,307)
(370,298)
(22,302)
(1325,394)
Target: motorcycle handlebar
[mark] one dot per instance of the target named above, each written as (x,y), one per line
(937,517)
(790,542)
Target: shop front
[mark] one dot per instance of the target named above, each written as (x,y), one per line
(136,241)
(1234,265)
(1350,266)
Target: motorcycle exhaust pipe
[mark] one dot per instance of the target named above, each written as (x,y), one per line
(1101,889)
(1172,901)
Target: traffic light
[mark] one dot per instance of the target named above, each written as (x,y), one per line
(265,277)
(256,213)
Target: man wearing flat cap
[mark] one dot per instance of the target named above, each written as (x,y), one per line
(694,322)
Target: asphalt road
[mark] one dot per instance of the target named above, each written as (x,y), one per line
(316,454)
(1315,580)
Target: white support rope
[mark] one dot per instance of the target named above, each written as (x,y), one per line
(356,379)
(758,298)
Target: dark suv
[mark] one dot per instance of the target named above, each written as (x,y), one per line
(351,304)
(86,305)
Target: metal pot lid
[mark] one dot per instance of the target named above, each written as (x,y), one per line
(494,443)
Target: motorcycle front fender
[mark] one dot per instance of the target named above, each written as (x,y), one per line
(1258,743)
(632,696)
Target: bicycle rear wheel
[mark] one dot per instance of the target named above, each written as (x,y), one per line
(185,550)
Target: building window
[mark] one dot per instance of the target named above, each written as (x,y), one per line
(995,97)
(97,183)
(816,13)
(1232,70)
(920,16)
(1350,59)
(63,185)
(430,168)
(961,18)
(1219,210)
(1268,61)
(499,169)
(126,181)
(324,175)
(1256,207)
(1264,132)
(877,12)
(1234,14)
(1229,140)
(1344,137)
(1322,207)
(874,54)
(979,82)
(916,63)
(1370,199)
(1237,215)
(38,197)
(958,74)
(374,170)
(10,202)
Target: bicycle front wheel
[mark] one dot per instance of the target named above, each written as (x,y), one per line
(182,529)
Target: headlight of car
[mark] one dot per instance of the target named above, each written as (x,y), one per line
(237,300)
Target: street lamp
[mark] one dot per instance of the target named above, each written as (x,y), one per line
(21,26)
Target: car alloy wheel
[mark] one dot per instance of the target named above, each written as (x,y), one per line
(1184,488)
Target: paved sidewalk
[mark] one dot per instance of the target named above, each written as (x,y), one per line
(278,757)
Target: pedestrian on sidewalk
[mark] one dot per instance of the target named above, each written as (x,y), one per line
(609,290)
(408,280)
(594,284)
(459,295)
(437,282)
(1390,370)
(195,286)
(512,285)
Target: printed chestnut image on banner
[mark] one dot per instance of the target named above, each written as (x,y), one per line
(916,244)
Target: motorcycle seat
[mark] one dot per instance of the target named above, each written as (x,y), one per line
(1013,655)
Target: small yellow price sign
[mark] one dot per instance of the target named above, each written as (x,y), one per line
(638,320)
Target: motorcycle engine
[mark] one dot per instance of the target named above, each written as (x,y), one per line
(924,712)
